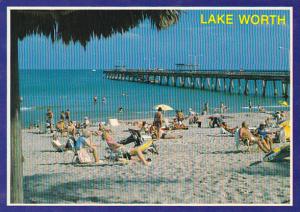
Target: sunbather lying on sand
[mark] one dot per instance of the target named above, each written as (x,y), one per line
(178,125)
(164,135)
(227,128)
(114,146)
(245,133)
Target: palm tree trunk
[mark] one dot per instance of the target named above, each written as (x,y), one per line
(16,180)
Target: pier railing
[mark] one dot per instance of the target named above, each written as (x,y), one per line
(217,80)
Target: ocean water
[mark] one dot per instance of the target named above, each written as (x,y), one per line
(74,90)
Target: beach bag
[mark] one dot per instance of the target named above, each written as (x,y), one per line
(83,156)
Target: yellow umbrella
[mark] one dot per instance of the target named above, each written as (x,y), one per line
(283,103)
(163,107)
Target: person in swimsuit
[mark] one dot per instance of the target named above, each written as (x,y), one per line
(86,141)
(67,115)
(62,116)
(49,119)
(158,121)
(116,147)
(245,133)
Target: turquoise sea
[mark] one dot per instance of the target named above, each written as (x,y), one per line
(75,89)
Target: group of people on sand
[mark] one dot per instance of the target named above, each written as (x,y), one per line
(83,141)
(64,125)
(81,137)
(259,135)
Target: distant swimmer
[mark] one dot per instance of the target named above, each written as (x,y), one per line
(124,94)
(104,99)
(95,99)
(121,109)
(21,99)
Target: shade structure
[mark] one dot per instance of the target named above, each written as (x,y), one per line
(163,107)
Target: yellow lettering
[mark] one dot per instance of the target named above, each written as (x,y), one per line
(273,19)
(220,19)
(202,21)
(229,19)
(212,19)
(244,19)
(281,19)
(255,19)
(264,19)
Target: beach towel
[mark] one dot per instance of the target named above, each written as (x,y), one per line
(83,156)
(57,145)
(113,122)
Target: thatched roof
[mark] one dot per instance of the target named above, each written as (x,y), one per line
(81,25)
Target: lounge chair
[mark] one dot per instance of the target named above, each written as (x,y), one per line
(57,145)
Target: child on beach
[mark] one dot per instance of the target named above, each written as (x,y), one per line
(67,115)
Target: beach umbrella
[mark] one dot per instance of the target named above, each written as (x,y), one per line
(163,107)
(283,103)
(68,26)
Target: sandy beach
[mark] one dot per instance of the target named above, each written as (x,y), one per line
(203,167)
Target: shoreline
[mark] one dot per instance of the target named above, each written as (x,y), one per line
(150,119)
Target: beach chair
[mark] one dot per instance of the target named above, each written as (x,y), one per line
(57,146)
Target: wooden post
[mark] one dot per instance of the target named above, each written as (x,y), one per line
(225,86)
(16,164)
(202,84)
(286,90)
(255,87)
(275,88)
(246,91)
(231,87)
(283,89)
(208,83)
(218,84)
(182,79)
(264,85)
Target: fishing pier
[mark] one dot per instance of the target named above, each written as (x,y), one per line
(237,81)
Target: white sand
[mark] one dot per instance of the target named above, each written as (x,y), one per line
(201,168)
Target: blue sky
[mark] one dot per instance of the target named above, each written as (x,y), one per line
(259,47)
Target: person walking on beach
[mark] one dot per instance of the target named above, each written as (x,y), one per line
(67,115)
(158,121)
(62,116)
(222,107)
(49,119)
(206,108)
(250,105)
